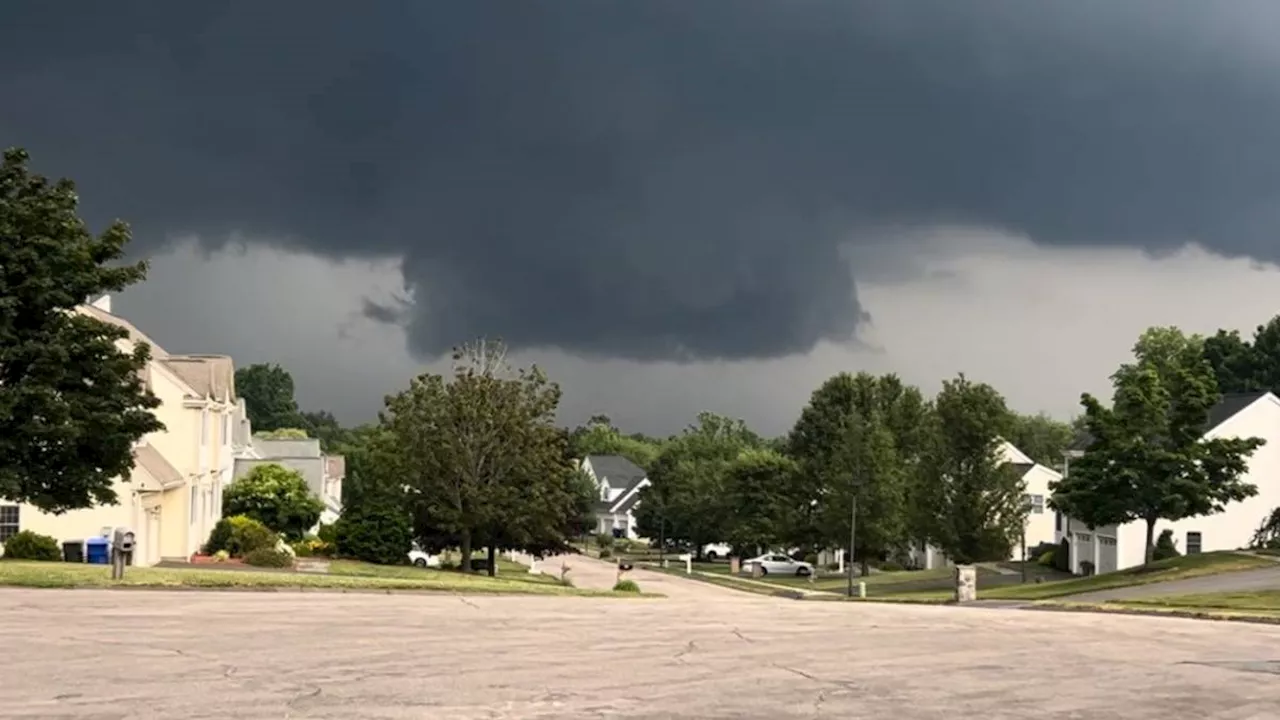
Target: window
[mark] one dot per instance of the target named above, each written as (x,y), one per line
(1084,537)
(1057,521)
(1036,503)
(1193,543)
(195,501)
(8,521)
(1106,541)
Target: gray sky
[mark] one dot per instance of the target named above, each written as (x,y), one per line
(675,205)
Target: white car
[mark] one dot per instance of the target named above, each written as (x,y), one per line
(423,560)
(716,551)
(777,564)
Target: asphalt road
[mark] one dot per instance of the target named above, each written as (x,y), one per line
(1244,581)
(703,653)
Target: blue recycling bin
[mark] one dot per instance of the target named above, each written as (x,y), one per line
(97,551)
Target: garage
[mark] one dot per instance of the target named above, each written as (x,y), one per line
(1107,556)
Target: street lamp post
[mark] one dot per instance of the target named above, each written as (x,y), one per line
(853,532)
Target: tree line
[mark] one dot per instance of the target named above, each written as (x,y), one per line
(474,458)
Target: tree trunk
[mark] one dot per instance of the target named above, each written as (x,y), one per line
(866,567)
(493,562)
(1151,543)
(465,548)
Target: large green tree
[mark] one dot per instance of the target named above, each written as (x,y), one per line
(267,390)
(763,507)
(856,443)
(1041,437)
(1149,459)
(482,456)
(1245,365)
(687,500)
(72,404)
(599,436)
(974,499)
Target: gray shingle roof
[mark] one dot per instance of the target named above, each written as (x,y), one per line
(616,470)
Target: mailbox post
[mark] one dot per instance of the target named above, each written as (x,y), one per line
(122,543)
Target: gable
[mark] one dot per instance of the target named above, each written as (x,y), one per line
(619,472)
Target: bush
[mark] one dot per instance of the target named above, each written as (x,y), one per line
(238,536)
(312,547)
(627,586)
(1046,558)
(605,541)
(1166,546)
(890,566)
(26,545)
(605,553)
(276,497)
(328,533)
(1062,556)
(379,533)
(1040,549)
(269,557)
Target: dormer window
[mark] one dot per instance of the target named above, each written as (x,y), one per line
(604,491)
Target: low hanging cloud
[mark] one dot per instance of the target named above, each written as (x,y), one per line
(655,180)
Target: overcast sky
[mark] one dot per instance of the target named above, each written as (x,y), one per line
(673,206)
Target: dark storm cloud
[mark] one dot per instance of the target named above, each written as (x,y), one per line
(652,179)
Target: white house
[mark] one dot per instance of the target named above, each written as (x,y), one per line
(619,481)
(1039,527)
(1244,415)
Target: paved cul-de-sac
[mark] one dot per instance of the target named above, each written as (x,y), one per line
(702,652)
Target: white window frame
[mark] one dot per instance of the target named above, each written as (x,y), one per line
(1199,543)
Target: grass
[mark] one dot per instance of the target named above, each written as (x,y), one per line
(1262,600)
(507,570)
(18,573)
(1178,568)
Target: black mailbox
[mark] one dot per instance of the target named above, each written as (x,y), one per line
(624,566)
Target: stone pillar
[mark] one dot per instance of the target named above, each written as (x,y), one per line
(735,565)
(966,583)
(756,569)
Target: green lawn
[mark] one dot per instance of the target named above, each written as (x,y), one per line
(354,576)
(507,570)
(1178,568)
(1263,600)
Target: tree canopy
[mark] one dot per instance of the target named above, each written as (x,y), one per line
(72,404)
(974,499)
(1149,458)
(600,437)
(267,390)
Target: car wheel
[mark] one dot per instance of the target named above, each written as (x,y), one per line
(802,572)
(764,571)
(711,555)
(420,562)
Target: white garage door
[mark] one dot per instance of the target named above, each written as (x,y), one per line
(1106,554)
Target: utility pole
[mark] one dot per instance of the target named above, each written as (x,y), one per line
(853,530)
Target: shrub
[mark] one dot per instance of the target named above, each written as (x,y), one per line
(276,497)
(1166,546)
(375,532)
(605,553)
(890,566)
(1040,549)
(312,547)
(26,545)
(269,557)
(627,586)
(238,536)
(222,556)
(328,533)
(605,541)
(1046,558)
(1062,556)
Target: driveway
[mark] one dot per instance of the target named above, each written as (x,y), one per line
(590,573)
(103,654)
(1243,581)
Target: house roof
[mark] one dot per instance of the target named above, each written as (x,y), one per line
(209,375)
(1022,468)
(616,470)
(268,448)
(1228,406)
(626,502)
(154,464)
(135,335)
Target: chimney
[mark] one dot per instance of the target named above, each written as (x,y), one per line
(103,302)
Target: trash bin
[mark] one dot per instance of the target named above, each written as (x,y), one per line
(73,551)
(98,551)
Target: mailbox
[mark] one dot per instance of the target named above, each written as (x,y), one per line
(624,566)
(123,540)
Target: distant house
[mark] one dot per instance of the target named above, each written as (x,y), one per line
(1240,415)
(619,482)
(1039,526)
(324,473)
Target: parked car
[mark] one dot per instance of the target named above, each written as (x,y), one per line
(422,559)
(716,551)
(778,564)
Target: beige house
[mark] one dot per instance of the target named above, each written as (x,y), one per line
(174,496)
